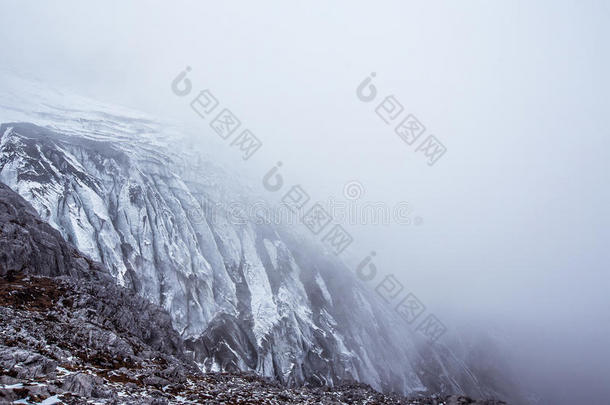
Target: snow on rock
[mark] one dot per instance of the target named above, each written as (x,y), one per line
(244,296)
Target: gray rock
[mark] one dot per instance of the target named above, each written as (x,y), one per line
(245,297)
(31,246)
(81,384)
(21,363)
(156,381)
(98,300)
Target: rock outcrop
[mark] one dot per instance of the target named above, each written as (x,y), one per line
(243,295)
(69,335)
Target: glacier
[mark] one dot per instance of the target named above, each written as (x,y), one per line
(244,295)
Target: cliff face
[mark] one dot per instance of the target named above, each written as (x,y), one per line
(77,337)
(65,324)
(244,296)
(31,249)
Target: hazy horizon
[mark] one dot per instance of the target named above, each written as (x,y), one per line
(514,224)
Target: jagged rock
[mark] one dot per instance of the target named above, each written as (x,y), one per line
(156,381)
(22,364)
(462,400)
(81,384)
(31,246)
(77,340)
(243,295)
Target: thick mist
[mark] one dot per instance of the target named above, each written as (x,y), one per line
(508,230)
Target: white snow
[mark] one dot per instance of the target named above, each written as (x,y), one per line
(263,307)
(322,285)
(13,386)
(272,251)
(51,400)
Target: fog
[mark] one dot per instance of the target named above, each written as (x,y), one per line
(513,230)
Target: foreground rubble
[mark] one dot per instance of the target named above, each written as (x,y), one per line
(69,334)
(59,343)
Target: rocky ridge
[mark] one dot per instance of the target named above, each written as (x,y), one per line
(243,295)
(70,335)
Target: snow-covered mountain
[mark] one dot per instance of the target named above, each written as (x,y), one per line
(243,295)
